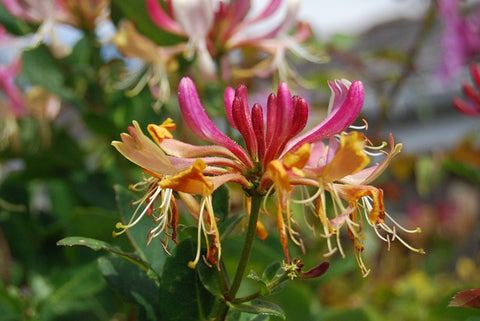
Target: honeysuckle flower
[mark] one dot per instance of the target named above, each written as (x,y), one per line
(48,13)
(461,35)
(276,159)
(159,61)
(216,28)
(192,19)
(471,106)
(164,176)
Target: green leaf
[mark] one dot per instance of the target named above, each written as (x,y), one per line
(221,202)
(261,283)
(221,207)
(260,307)
(272,270)
(98,245)
(182,295)
(132,284)
(209,277)
(154,254)
(41,68)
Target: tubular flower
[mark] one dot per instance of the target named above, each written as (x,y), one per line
(164,176)
(471,106)
(341,170)
(132,44)
(276,159)
(216,28)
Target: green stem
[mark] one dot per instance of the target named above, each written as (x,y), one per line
(244,256)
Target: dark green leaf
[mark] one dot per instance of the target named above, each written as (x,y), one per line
(260,307)
(97,245)
(132,284)
(221,207)
(182,295)
(221,203)
(209,277)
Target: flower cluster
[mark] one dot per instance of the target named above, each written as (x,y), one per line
(461,35)
(214,30)
(49,13)
(327,160)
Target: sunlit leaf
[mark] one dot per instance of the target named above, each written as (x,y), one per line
(260,307)
(98,245)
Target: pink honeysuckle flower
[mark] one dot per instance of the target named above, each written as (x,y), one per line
(14,95)
(159,60)
(192,19)
(47,14)
(471,106)
(461,36)
(276,160)
(216,29)
(166,175)
(9,70)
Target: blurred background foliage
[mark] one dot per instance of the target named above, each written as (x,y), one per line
(57,180)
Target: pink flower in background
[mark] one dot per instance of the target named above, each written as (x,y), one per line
(192,19)
(471,105)
(48,13)
(461,35)
(215,29)
(8,73)
(12,48)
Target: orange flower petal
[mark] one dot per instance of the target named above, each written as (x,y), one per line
(299,158)
(349,159)
(352,193)
(160,132)
(191,181)
(279,175)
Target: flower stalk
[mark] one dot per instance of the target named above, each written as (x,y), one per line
(244,256)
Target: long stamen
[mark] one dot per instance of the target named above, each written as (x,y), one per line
(119,225)
(193,264)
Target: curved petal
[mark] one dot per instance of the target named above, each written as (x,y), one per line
(197,120)
(139,149)
(344,112)
(369,174)
(160,18)
(191,180)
